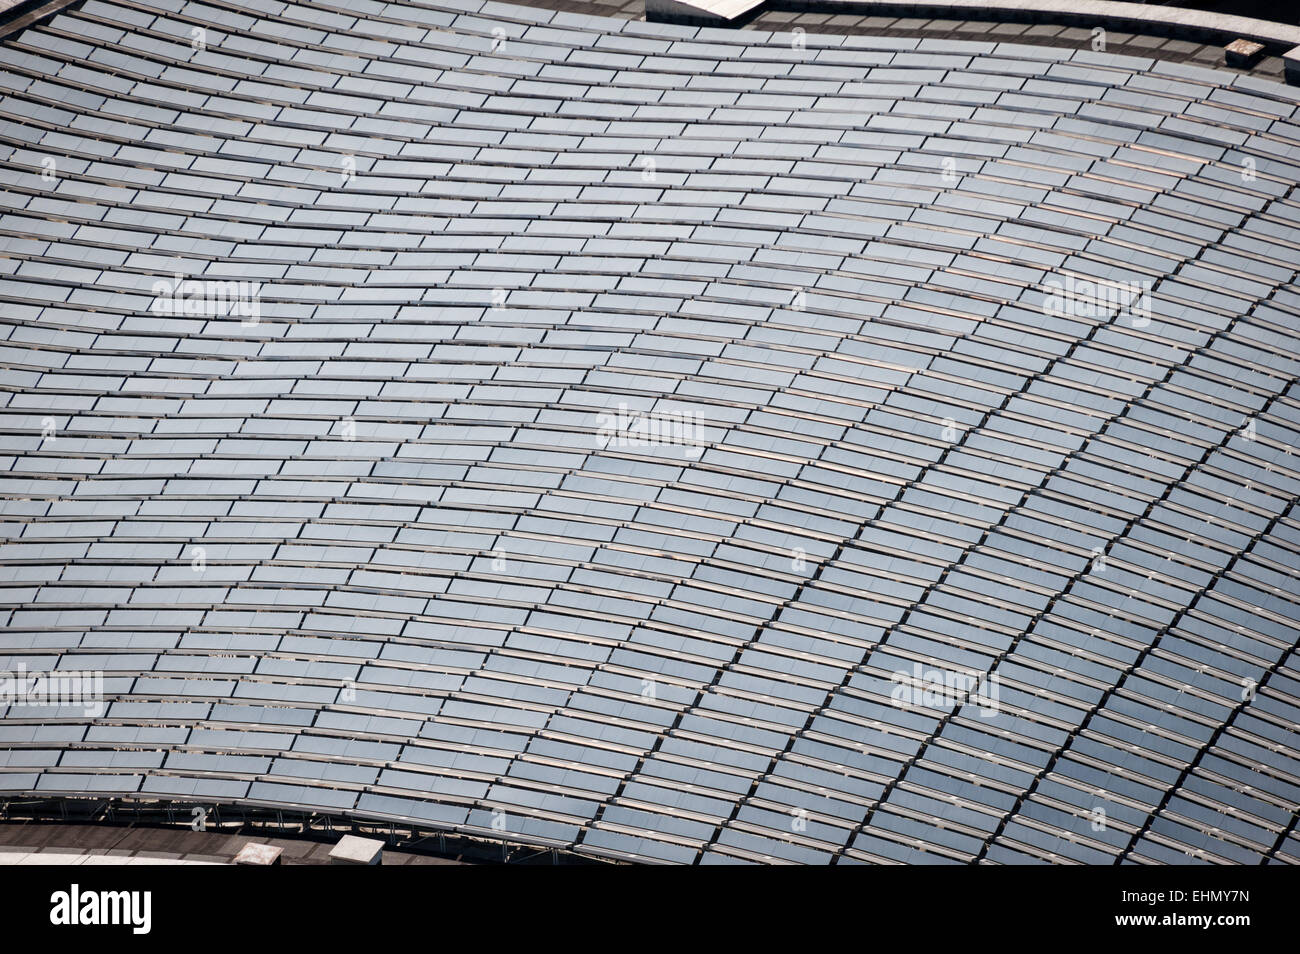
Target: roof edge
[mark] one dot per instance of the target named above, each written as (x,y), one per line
(247,816)
(1200,25)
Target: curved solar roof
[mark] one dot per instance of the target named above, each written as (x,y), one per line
(659,443)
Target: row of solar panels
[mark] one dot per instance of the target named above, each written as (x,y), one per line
(770,731)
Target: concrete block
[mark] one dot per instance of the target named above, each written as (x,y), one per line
(255,854)
(352,850)
(1242,54)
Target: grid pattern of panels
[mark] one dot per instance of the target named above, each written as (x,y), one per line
(627,416)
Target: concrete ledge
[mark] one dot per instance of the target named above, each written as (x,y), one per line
(63,859)
(701,12)
(1291,64)
(1197,25)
